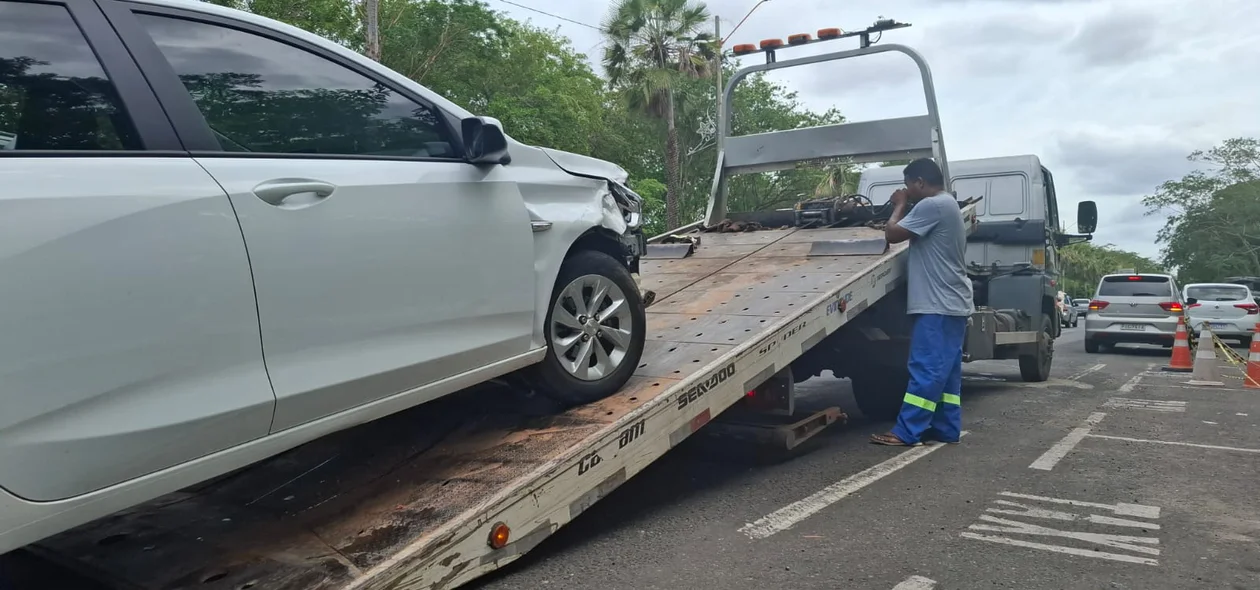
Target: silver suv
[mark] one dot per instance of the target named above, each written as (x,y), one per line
(1133,308)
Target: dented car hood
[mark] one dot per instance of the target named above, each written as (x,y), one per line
(586,165)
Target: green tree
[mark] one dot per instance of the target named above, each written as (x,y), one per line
(1082,265)
(1213,225)
(652,45)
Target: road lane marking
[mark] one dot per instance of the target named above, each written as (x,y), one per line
(1062,549)
(788,516)
(1153,405)
(1026,510)
(1179,444)
(1050,458)
(1119,508)
(1082,374)
(1131,383)
(916,583)
(1121,547)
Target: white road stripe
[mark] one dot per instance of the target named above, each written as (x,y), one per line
(1061,549)
(1145,404)
(916,583)
(1131,383)
(1082,374)
(786,517)
(1050,458)
(1179,444)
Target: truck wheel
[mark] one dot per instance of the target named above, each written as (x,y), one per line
(1036,368)
(878,393)
(595,328)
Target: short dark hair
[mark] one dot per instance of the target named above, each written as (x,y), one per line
(925,169)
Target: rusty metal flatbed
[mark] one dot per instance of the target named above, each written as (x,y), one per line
(408,501)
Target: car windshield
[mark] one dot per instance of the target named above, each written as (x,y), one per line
(1135,286)
(1217,293)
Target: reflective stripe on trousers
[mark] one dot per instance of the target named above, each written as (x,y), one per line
(933,399)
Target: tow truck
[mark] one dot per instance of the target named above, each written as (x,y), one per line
(739,318)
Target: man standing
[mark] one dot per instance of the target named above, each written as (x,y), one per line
(939,303)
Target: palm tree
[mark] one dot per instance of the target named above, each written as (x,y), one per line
(652,44)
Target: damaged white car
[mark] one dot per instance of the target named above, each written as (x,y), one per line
(225,237)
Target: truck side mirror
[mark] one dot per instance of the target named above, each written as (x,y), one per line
(1086,217)
(484,141)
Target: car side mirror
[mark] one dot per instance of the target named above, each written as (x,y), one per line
(1191,301)
(484,141)
(1086,217)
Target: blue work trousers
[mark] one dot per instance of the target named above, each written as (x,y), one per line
(933,403)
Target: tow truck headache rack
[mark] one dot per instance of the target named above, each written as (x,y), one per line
(432,498)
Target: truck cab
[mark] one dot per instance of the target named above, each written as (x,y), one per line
(1012,255)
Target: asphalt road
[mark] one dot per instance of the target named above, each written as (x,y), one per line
(1110,475)
(1097,513)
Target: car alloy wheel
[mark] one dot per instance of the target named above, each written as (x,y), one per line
(591,327)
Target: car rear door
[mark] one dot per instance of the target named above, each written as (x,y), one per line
(129,337)
(382,260)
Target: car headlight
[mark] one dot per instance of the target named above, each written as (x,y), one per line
(630,203)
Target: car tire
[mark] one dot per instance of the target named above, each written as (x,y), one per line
(1035,368)
(1091,346)
(561,376)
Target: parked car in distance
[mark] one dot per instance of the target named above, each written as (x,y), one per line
(1133,308)
(1068,314)
(225,237)
(1230,310)
(1081,304)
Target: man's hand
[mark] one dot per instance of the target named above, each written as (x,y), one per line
(899,197)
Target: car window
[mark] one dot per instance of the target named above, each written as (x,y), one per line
(261,95)
(1217,293)
(1135,286)
(54,93)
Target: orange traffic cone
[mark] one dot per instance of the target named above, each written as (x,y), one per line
(1252,380)
(1205,370)
(1181,361)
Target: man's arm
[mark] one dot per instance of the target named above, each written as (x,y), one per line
(917,223)
(893,232)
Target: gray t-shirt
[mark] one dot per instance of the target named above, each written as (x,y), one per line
(938,282)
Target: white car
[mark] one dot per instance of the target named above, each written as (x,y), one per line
(1229,310)
(222,237)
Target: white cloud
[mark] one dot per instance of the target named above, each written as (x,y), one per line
(1111,94)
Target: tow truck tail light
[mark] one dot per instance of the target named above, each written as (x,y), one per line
(1172,306)
(1252,309)
(1096,305)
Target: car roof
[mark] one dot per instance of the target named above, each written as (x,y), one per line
(1138,274)
(1226,285)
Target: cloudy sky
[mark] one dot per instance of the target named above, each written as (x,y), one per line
(1111,94)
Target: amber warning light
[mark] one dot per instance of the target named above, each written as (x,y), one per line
(499,534)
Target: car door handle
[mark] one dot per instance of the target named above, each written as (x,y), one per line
(293,192)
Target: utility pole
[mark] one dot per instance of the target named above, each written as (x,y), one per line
(372,26)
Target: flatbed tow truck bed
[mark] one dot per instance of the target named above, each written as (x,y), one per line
(436,496)
(388,505)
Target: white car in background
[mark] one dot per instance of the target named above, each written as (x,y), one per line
(222,237)
(1229,310)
